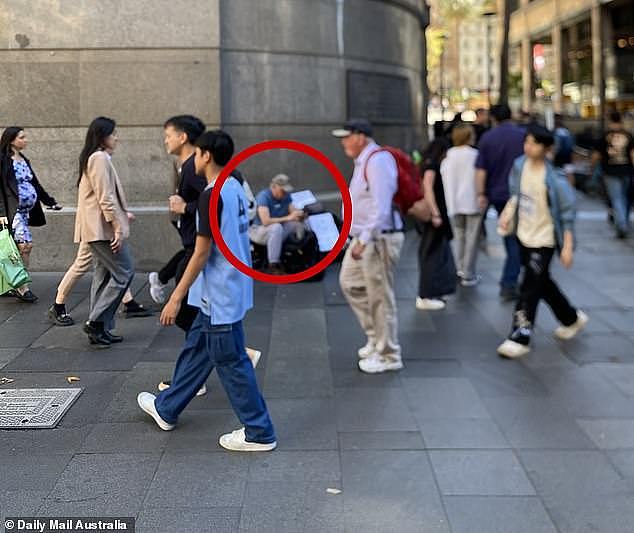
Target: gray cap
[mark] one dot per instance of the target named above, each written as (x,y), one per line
(355,125)
(283,181)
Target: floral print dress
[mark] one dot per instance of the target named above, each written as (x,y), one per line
(27,197)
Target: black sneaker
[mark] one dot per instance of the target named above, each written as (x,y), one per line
(58,316)
(114,339)
(509,294)
(133,309)
(27,297)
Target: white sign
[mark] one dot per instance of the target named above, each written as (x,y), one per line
(325,229)
(301,199)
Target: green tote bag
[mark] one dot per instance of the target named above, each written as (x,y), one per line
(12,269)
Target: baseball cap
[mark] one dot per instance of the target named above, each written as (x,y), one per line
(355,125)
(282,180)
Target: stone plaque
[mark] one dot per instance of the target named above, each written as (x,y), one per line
(380,98)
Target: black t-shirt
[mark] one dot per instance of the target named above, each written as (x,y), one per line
(439,194)
(190,187)
(204,226)
(616,149)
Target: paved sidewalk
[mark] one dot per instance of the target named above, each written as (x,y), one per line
(460,441)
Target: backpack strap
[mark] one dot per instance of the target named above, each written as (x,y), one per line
(365,169)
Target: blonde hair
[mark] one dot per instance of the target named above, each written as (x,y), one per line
(462,134)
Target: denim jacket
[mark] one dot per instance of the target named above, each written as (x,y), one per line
(561,198)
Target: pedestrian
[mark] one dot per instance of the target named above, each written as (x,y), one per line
(497,151)
(541,212)
(615,152)
(564,149)
(21,199)
(437,269)
(83,264)
(458,177)
(180,134)
(223,296)
(367,271)
(102,222)
(481,124)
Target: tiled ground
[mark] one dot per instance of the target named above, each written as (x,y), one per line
(459,441)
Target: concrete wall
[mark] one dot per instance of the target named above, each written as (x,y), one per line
(262,68)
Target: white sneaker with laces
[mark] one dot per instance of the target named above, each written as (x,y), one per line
(367,351)
(236,441)
(254,355)
(568,332)
(146,402)
(157,289)
(429,304)
(512,350)
(378,365)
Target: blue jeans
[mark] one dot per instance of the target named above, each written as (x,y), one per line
(511,271)
(618,190)
(220,347)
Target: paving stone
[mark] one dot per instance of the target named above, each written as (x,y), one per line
(350,377)
(215,519)
(130,437)
(373,410)
(537,423)
(495,514)
(34,442)
(7,355)
(433,368)
(614,515)
(609,434)
(284,466)
(403,478)
(198,480)
(619,320)
(304,424)
(292,506)
(20,502)
(22,472)
(490,378)
(381,440)
(464,433)
(287,378)
(480,473)
(299,295)
(623,461)
(101,484)
(600,348)
(620,375)
(443,398)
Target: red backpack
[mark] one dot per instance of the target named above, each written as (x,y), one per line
(409,190)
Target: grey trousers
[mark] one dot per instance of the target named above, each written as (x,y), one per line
(274,236)
(112,277)
(466,229)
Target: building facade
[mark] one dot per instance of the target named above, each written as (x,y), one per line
(574,55)
(261,69)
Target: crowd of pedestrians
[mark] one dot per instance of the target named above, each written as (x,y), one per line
(523,173)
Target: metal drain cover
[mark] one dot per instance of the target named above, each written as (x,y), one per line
(34,408)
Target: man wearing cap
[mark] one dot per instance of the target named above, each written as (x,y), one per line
(367,272)
(276,219)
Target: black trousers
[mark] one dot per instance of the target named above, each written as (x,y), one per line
(175,268)
(537,285)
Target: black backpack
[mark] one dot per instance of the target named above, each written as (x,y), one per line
(300,254)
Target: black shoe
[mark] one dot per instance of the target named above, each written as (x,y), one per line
(96,334)
(28,297)
(620,234)
(57,315)
(11,293)
(134,309)
(509,294)
(114,339)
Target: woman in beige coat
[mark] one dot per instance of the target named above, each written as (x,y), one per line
(102,222)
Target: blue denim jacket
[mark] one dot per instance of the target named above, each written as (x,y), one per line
(561,197)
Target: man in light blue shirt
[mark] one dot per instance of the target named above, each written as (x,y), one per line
(223,295)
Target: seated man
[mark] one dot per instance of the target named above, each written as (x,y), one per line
(276,219)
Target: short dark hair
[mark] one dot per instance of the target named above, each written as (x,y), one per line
(219,144)
(501,112)
(190,125)
(615,116)
(541,135)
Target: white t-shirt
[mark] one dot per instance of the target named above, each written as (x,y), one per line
(458,179)
(535,226)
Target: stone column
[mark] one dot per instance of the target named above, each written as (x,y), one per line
(598,77)
(527,73)
(558,74)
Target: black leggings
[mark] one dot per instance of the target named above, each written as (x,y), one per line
(537,285)
(175,268)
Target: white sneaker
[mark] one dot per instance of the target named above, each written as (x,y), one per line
(237,441)
(157,289)
(164,385)
(430,304)
(367,351)
(470,282)
(568,332)
(378,365)
(146,402)
(254,355)
(512,350)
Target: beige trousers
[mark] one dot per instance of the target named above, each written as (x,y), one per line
(368,285)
